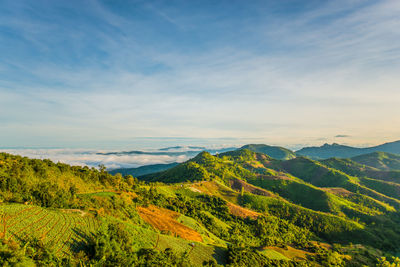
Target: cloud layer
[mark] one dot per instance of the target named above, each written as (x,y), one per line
(114,159)
(91,158)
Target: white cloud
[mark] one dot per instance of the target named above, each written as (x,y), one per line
(340,75)
(84,157)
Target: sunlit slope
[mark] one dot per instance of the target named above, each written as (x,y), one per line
(380,160)
(63,231)
(356,169)
(209,209)
(275,152)
(268,185)
(320,175)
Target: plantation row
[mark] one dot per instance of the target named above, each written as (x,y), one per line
(60,231)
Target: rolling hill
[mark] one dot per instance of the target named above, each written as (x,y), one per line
(275,152)
(238,208)
(341,151)
(380,160)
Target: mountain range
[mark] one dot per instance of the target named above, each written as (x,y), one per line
(379,160)
(237,208)
(342,151)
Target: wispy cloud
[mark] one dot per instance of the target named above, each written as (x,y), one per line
(103,74)
(342,136)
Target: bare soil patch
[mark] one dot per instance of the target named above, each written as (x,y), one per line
(242,212)
(165,220)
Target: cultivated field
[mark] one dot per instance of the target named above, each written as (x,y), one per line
(63,231)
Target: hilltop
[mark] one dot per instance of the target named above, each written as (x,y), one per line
(275,152)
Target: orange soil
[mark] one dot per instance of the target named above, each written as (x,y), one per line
(324,245)
(165,220)
(274,177)
(337,191)
(237,184)
(255,164)
(213,188)
(242,212)
(292,253)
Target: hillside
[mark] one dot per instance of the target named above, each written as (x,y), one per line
(316,186)
(238,208)
(341,151)
(143,170)
(275,152)
(380,160)
(356,169)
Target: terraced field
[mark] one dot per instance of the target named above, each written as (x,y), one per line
(62,231)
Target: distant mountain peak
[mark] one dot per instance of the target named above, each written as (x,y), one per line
(343,151)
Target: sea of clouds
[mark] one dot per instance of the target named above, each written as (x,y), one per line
(93,158)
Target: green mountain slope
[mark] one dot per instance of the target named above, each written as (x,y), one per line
(143,170)
(320,175)
(275,152)
(380,160)
(238,208)
(356,169)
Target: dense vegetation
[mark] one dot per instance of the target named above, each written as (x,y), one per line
(379,160)
(143,170)
(239,208)
(275,152)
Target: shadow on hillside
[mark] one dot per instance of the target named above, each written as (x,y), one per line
(220,255)
(80,241)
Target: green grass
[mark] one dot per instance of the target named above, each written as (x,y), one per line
(380,160)
(387,188)
(197,254)
(167,190)
(317,199)
(218,222)
(317,174)
(297,192)
(274,255)
(145,236)
(330,227)
(208,237)
(275,152)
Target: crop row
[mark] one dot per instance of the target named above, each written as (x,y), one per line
(60,231)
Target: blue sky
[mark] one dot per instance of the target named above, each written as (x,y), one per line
(119,73)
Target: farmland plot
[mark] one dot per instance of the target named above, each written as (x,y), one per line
(64,232)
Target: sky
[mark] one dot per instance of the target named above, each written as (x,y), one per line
(123,74)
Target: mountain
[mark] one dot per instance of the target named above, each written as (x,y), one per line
(341,151)
(379,160)
(275,152)
(143,170)
(238,208)
(301,181)
(361,170)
